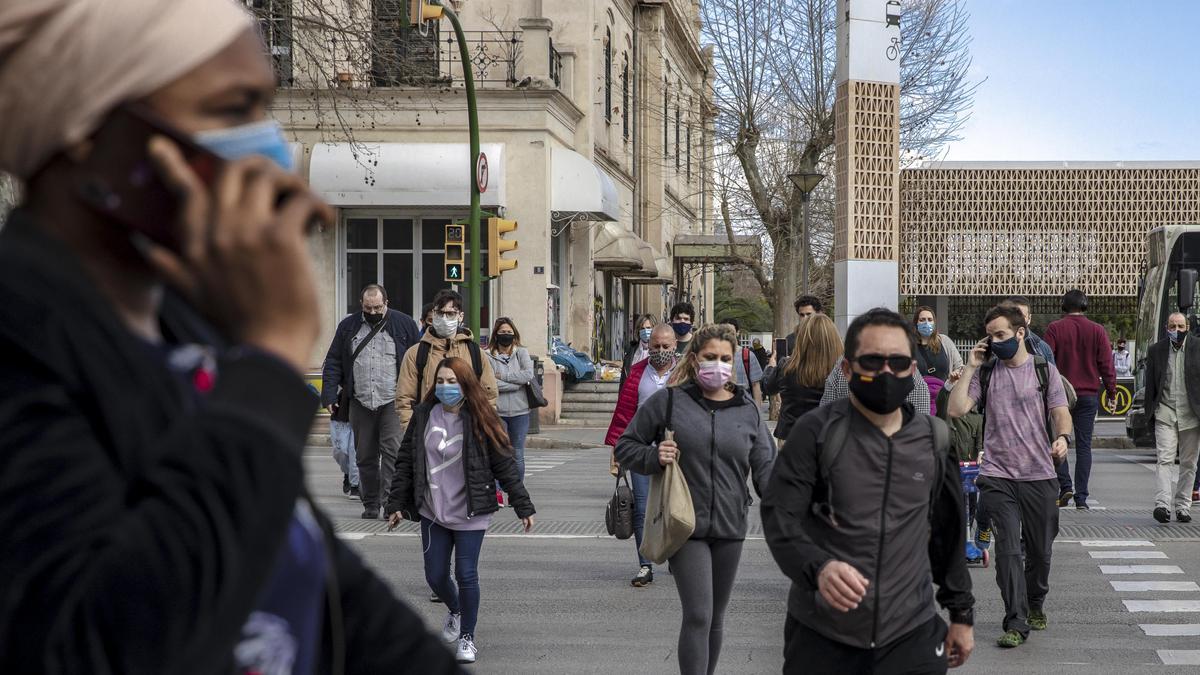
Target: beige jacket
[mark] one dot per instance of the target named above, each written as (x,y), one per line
(406,389)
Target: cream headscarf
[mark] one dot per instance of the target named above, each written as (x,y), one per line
(64,64)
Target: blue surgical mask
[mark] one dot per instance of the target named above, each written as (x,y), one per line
(448,394)
(925,328)
(645,335)
(258,138)
(681,329)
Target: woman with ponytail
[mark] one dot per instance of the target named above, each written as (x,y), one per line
(454,451)
(719,442)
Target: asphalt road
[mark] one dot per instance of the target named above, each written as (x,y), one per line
(558,600)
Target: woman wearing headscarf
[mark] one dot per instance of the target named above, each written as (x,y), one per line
(154,411)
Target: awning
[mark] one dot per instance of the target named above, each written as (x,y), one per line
(581,190)
(616,248)
(403,174)
(660,273)
(714,248)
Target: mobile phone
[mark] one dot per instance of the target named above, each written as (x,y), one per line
(780,348)
(120,181)
(987,351)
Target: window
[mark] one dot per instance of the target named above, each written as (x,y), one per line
(625,98)
(275,25)
(401,55)
(607,75)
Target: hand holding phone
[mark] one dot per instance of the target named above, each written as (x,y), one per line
(780,349)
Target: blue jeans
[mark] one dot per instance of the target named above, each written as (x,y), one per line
(341,437)
(1084,419)
(641,493)
(439,543)
(518,428)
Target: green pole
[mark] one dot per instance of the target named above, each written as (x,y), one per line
(474,275)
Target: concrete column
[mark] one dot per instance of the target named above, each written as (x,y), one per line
(567,85)
(535,52)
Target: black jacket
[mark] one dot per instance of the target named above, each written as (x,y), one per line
(881,497)
(482,464)
(141,520)
(337,371)
(1158,370)
(795,399)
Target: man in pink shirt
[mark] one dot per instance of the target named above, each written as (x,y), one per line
(1083,354)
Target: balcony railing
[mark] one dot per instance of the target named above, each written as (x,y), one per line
(555,65)
(493,56)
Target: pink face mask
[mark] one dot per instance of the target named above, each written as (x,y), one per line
(712,375)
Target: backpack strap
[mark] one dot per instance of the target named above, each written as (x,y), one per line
(746,365)
(985,378)
(422,359)
(670,409)
(476,359)
(830,441)
(1043,375)
(941,451)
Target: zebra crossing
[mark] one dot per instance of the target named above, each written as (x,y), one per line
(536,462)
(1158,601)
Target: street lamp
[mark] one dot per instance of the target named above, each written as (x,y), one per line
(805,182)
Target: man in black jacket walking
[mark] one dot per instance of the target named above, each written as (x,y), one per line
(863,508)
(1173,398)
(362,370)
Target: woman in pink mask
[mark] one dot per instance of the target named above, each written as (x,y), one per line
(719,443)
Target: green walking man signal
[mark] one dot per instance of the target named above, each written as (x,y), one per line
(454,252)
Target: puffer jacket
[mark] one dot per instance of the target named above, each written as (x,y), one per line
(407,396)
(483,466)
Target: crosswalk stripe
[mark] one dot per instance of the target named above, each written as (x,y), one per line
(1170,629)
(1147,586)
(1101,543)
(1162,605)
(1140,569)
(1126,555)
(1180,657)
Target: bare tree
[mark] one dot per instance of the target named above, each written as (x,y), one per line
(774,66)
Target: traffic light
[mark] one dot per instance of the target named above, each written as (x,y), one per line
(497,246)
(455,245)
(420,11)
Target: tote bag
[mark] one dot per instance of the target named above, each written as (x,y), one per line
(670,517)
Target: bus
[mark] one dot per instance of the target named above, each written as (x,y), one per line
(1168,285)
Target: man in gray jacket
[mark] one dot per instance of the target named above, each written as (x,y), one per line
(862,510)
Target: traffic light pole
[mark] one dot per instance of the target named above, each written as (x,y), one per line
(474,275)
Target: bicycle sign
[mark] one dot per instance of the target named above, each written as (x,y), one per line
(893,51)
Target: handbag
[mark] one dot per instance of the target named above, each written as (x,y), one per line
(342,412)
(533,394)
(670,516)
(618,516)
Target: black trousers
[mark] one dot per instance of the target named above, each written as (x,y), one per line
(1022,511)
(921,651)
(377,435)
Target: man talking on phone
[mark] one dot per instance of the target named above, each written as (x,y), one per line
(154,411)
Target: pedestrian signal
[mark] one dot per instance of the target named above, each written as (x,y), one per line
(454,272)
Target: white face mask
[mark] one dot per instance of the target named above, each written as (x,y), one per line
(445,327)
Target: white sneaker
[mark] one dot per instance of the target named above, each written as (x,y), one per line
(452,627)
(466,650)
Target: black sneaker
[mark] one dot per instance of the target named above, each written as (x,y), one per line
(354,493)
(1064,498)
(1181,517)
(1162,515)
(346,484)
(370,514)
(645,577)
(433,597)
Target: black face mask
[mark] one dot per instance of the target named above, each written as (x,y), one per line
(372,318)
(882,393)
(505,339)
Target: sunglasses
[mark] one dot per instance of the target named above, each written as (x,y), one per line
(874,362)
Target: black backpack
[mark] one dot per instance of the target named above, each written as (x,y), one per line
(832,438)
(423,349)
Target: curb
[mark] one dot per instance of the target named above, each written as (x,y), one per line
(1113,443)
(551,443)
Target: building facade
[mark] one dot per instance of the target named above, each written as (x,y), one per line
(595,118)
(973,232)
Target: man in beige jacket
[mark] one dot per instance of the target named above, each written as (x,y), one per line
(445,337)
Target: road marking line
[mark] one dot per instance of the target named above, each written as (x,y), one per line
(1126,555)
(1147,586)
(1140,569)
(1180,657)
(1162,605)
(1170,629)
(1098,543)
(355,536)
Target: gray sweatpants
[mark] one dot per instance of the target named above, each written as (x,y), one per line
(376,442)
(1021,511)
(704,570)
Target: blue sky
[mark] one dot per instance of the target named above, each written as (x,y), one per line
(1075,80)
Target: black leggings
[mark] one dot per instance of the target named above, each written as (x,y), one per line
(704,570)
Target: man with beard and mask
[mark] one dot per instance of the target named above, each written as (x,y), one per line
(1027,429)
(445,337)
(1173,397)
(646,377)
(359,387)
(158,318)
(863,509)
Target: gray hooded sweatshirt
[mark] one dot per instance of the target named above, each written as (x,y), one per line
(721,444)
